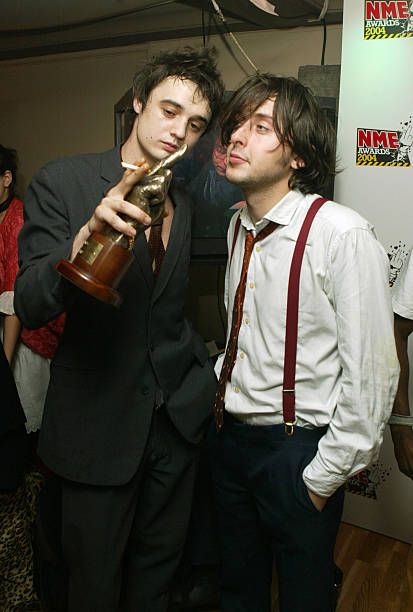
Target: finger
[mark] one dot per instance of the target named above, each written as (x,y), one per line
(109,212)
(129,179)
(112,207)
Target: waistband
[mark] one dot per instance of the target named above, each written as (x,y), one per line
(275,432)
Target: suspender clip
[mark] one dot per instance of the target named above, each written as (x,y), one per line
(289,427)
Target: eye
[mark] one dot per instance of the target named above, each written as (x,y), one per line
(262,128)
(168,112)
(195,127)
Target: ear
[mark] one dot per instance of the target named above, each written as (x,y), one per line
(7,178)
(137,106)
(297,162)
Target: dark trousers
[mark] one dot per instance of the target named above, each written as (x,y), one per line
(122,544)
(265,513)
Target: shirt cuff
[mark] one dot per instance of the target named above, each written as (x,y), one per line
(6,303)
(321,482)
(402,310)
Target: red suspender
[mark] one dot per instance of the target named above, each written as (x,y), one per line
(291,325)
(234,240)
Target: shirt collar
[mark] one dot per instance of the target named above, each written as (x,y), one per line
(281,213)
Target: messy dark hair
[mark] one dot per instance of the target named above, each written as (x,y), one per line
(298,122)
(8,161)
(196,65)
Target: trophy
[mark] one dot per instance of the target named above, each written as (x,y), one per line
(105,257)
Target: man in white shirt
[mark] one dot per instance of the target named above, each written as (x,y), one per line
(279,485)
(401,421)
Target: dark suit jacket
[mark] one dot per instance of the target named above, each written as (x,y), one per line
(112,364)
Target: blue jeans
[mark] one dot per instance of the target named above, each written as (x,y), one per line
(265,513)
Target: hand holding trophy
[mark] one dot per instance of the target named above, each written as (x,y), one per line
(106,255)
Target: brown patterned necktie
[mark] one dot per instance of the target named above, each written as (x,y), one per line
(156,248)
(232,345)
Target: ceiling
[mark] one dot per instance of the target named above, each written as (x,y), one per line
(38,27)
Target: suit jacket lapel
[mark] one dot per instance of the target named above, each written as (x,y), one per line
(180,222)
(110,169)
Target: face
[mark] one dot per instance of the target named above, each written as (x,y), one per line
(256,159)
(175,114)
(5,182)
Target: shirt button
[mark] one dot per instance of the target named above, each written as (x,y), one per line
(246,321)
(258,248)
(242,355)
(252,285)
(236,390)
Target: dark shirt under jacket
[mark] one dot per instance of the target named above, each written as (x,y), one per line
(112,365)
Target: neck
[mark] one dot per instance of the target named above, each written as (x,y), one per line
(260,201)
(130,150)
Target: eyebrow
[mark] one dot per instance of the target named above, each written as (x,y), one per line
(263,116)
(177,105)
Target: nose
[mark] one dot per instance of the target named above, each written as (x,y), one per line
(179,127)
(239,135)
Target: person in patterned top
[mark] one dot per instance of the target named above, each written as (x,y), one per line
(28,351)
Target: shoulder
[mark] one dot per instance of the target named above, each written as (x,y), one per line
(344,233)
(403,291)
(75,164)
(340,219)
(14,216)
(235,220)
(16,207)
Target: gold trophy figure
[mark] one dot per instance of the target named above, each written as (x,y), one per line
(105,257)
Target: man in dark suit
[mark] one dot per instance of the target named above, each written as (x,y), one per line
(131,388)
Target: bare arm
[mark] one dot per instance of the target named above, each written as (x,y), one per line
(403,434)
(11,332)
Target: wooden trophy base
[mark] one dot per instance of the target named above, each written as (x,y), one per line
(98,268)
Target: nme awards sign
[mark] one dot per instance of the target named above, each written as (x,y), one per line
(385,147)
(388,19)
(375,148)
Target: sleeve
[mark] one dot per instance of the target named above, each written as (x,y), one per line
(9,259)
(44,240)
(403,292)
(358,271)
(11,264)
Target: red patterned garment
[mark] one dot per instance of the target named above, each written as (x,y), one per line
(44,340)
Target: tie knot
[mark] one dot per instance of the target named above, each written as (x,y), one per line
(249,237)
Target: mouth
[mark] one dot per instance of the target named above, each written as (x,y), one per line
(169,146)
(236,159)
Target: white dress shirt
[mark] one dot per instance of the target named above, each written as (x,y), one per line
(403,291)
(347,367)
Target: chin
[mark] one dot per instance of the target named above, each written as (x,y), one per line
(234,177)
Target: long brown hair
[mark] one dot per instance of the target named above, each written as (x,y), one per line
(298,121)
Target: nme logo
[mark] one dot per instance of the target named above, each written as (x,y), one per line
(388,19)
(387,10)
(384,147)
(378,139)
